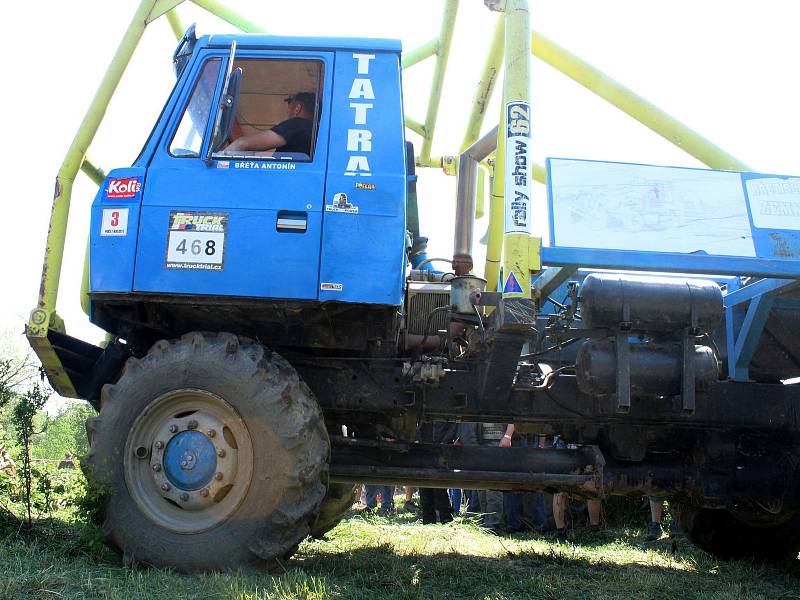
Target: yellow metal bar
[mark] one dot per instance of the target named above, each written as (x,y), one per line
(98,176)
(175,23)
(634,105)
(95,173)
(54,251)
(415,126)
(443,51)
(516,134)
(483,93)
(229,15)
(419,54)
(494,239)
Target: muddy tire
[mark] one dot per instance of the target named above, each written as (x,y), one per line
(212,455)
(723,535)
(337,502)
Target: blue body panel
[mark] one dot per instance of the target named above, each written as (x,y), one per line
(363,239)
(349,255)
(112,252)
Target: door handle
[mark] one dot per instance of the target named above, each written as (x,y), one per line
(291,221)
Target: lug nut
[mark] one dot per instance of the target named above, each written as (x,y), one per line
(218,476)
(184,463)
(221,453)
(212,433)
(159,445)
(184,496)
(156,468)
(204,493)
(165,486)
(192,424)
(173,428)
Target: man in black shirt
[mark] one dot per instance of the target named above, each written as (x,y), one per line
(291,135)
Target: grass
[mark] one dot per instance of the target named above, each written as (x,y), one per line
(372,558)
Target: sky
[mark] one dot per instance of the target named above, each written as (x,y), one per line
(726,68)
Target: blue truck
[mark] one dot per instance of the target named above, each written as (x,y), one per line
(277,333)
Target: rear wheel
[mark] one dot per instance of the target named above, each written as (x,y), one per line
(212,453)
(728,536)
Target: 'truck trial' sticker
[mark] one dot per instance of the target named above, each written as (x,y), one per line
(196,240)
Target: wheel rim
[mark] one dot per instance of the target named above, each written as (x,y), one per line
(188,460)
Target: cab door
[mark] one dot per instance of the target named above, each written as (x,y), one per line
(236,225)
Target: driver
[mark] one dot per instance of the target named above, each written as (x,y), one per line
(291,135)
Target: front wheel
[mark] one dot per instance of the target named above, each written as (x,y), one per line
(212,453)
(723,534)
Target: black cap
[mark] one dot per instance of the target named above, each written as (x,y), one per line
(307,99)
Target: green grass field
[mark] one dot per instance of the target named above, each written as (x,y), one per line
(375,558)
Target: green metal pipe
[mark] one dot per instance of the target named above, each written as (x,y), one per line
(95,173)
(634,105)
(419,54)
(515,127)
(445,38)
(415,126)
(175,23)
(54,251)
(483,93)
(229,15)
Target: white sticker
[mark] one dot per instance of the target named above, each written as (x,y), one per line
(115,222)
(331,287)
(775,202)
(341,204)
(196,240)
(518,175)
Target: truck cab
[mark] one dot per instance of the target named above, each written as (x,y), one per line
(194,232)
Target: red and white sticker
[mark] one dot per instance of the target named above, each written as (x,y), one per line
(331,287)
(123,188)
(115,222)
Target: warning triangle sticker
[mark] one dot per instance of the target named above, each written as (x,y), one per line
(512,285)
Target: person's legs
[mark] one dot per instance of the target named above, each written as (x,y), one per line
(654,530)
(473,501)
(442,503)
(559,514)
(492,508)
(426,501)
(387,498)
(512,511)
(371,496)
(539,511)
(455,499)
(594,507)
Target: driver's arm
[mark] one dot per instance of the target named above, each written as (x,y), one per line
(263,140)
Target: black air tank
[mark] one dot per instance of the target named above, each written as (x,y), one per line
(657,304)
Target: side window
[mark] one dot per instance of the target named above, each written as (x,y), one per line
(277,110)
(188,138)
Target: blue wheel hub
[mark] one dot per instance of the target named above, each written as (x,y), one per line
(190,460)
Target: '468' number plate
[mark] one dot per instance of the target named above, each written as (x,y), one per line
(196,240)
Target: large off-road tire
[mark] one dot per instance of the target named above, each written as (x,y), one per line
(724,535)
(212,453)
(337,502)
